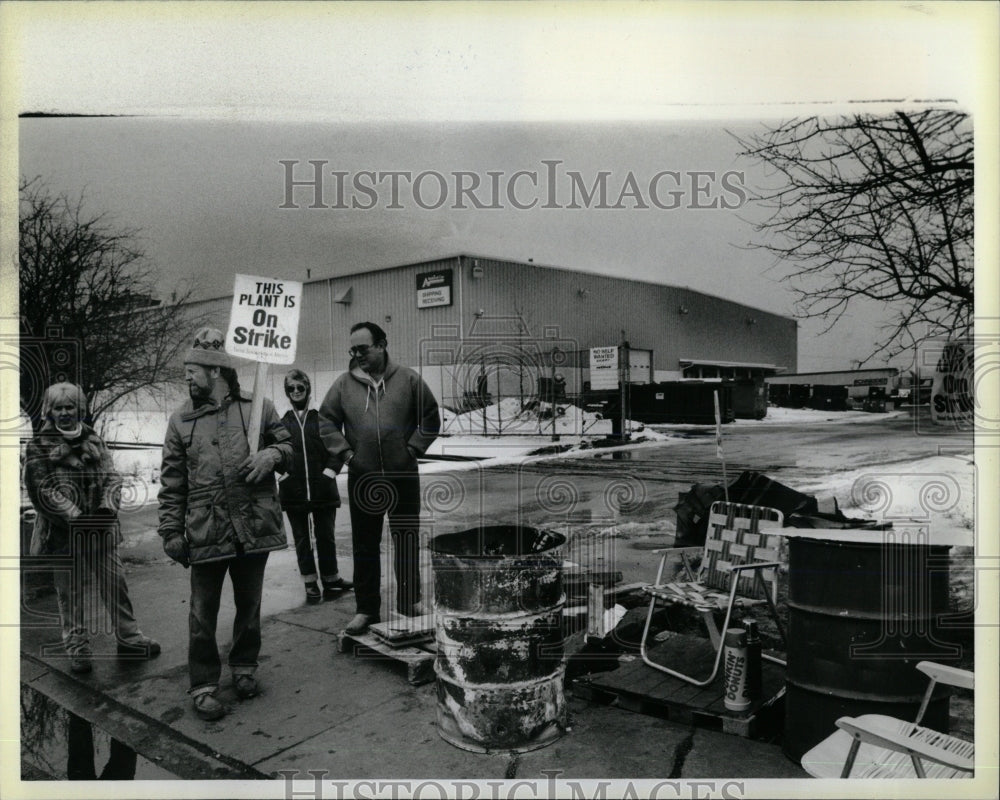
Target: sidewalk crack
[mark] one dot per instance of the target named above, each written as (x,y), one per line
(680,755)
(512,765)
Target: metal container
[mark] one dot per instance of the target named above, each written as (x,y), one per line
(737,696)
(498,604)
(861,615)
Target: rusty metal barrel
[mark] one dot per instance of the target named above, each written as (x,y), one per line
(861,615)
(498,604)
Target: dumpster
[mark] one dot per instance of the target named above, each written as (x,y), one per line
(498,603)
(749,398)
(863,610)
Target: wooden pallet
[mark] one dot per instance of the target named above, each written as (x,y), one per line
(637,687)
(418,660)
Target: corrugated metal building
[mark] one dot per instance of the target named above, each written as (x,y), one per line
(465,319)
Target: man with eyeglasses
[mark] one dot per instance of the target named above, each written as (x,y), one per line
(376,419)
(309,495)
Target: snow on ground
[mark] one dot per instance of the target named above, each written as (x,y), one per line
(796,416)
(939,490)
(521,439)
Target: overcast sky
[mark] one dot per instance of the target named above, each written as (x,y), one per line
(227,91)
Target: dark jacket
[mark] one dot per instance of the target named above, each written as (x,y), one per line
(202,493)
(305,485)
(67,479)
(386,426)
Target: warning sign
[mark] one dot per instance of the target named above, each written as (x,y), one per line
(264,320)
(604,367)
(434,289)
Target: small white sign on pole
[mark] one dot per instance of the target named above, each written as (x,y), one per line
(604,367)
(264,320)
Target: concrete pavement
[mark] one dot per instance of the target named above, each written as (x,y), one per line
(350,716)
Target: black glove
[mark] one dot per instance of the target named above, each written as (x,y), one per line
(260,465)
(177,548)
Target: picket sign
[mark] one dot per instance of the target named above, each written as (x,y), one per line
(263,327)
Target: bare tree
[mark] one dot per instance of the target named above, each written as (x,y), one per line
(88,283)
(877,207)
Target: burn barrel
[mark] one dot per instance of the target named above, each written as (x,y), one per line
(862,612)
(498,604)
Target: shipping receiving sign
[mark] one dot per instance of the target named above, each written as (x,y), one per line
(264,320)
(434,289)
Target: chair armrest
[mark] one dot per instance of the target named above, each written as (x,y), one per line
(691,550)
(953,676)
(885,732)
(755,565)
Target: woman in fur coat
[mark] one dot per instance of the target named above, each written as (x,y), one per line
(73,485)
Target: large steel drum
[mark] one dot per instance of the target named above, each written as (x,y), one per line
(498,604)
(863,610)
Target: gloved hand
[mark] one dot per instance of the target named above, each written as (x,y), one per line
(260,465)
(177,548)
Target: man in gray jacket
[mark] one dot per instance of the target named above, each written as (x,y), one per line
(219,513)
(376,419)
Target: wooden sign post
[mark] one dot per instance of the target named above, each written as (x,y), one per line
(718,444)
(263,327)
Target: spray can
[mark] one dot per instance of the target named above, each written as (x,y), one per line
(754,688)
(735,658)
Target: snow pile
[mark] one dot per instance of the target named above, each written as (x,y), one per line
(783,416)
(939,490)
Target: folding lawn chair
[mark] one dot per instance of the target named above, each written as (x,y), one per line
(739,567)
(877,746)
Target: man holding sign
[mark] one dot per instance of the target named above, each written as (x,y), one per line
(219,512)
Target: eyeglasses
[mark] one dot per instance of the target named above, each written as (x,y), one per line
(360,350)
(295,388)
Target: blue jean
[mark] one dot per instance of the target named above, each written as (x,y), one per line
(323,518)
(247,575)
(96,566)
(372,497)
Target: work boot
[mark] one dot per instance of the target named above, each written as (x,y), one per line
(313,595)
(418,609)
(246,686)
(333,589)
(207,706)
(141,649)
(360,623)
(80,660)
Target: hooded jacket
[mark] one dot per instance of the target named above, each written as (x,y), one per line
(305,485)
(202,494)
(67,479)
(386,425)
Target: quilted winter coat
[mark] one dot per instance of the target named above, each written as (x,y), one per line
(67,479)
(202,493)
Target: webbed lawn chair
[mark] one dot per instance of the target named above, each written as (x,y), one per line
(739,568)
(877,746)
